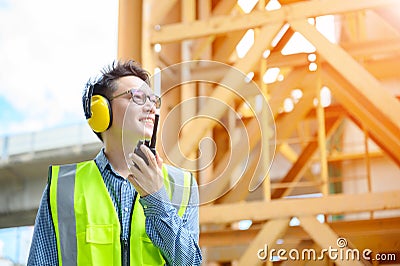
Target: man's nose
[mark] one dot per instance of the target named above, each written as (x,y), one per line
(149,106)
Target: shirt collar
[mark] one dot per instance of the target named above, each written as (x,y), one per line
(102,161)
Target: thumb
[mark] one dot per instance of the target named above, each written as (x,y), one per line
(159,160)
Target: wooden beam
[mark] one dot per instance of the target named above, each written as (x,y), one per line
(286,2)
(382,142)
(231,80)
(391,16)
(283,89)
(148,56)
(160,9)
(381,68)
(297,78)
(380,235)
(332,204)
(257,18)
(285,127)
(223,254)
(321,134)
(379,244)
(224,46)
(288,152)
(325,237)
(364,114)
(353,230)
(331,111)
(363,96)
(283,41)
(204,11)
(240,190)
(366,88)
(130,30)
(338,156)
(303,161)
(377,241)
(378,16)
(387,48)
(384,68)
(286,124)
(291,155)
(300,246)
(225,169)
(188,90)
(222,8)
(357,228)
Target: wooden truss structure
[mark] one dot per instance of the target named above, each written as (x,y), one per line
(316,175)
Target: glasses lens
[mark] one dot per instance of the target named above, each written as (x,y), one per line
(155,100)
(138,96)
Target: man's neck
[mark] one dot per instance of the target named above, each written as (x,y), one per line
(115,156)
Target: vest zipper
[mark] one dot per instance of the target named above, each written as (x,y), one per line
(125,252)
(125,243)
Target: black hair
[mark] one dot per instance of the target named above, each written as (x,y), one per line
(106,84)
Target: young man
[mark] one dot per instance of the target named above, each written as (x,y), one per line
(118,210)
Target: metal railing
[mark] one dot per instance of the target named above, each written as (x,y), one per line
(53,138)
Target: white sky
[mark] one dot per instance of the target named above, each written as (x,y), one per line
(48,50)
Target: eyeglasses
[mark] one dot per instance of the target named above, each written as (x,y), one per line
(140,97)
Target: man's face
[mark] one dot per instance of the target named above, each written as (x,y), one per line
(135,120)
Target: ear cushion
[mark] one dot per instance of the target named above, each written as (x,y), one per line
(101,117)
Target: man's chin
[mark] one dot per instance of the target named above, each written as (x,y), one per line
(137,134)
(147,134)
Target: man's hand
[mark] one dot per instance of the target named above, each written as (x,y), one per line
(147,179)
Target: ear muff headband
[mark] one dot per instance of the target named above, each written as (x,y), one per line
(101,116)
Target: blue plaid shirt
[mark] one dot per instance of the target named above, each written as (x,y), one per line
(177,238)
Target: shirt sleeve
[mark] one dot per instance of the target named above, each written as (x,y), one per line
(43,249)
(176,237)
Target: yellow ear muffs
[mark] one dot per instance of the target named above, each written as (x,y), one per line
(101,115)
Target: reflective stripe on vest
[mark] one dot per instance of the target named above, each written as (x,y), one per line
(86,233)
(67,249)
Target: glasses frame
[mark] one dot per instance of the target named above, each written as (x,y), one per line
(131,91)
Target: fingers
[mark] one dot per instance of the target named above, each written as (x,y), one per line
(132,179)
(150,156)
(139,188)
(145,178)
(155,161)
(137,162)
(159,160)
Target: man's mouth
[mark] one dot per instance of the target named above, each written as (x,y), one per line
(147,120)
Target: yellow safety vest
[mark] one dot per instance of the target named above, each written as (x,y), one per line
(86,223)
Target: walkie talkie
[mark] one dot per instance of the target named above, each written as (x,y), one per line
(150,144)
